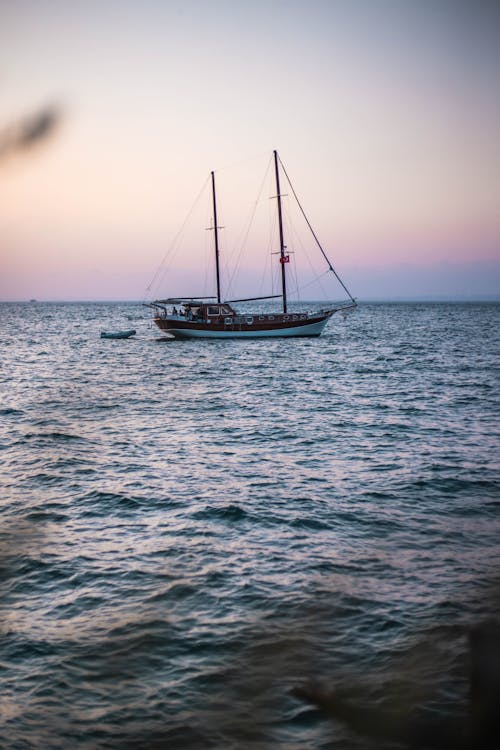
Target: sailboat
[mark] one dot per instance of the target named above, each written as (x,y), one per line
(216,318)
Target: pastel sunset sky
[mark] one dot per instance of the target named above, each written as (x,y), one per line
(386,114)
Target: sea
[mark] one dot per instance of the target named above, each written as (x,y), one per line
(196,534)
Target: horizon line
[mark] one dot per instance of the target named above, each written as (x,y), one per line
(359,300)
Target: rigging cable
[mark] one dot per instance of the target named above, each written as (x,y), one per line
(293,276)
(303,251)
(170,250)
(315,237)
(246,232)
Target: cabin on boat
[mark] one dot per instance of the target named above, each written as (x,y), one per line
(195,310)
(208,313)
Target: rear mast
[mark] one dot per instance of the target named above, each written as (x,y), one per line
(216,236)
(283,257)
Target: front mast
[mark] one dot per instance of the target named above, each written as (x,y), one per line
(283,259)
(217,271)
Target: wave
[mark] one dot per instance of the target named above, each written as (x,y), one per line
(224,513)
(97,502)
(62,437)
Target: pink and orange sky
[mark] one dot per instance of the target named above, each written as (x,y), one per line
(386,114)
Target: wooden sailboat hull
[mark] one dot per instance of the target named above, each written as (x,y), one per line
(247,326)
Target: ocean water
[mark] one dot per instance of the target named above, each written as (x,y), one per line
(192,530)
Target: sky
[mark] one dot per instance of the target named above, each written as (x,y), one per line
(386,114)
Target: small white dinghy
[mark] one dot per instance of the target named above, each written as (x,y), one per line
(117,334)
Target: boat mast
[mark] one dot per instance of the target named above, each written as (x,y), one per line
(217,270)
(283,256)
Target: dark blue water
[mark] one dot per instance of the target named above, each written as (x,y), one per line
(190,530)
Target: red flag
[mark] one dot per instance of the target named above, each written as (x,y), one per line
(285,259)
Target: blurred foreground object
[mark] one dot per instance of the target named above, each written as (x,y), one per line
(29,131)
(484,695)
(479,729)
